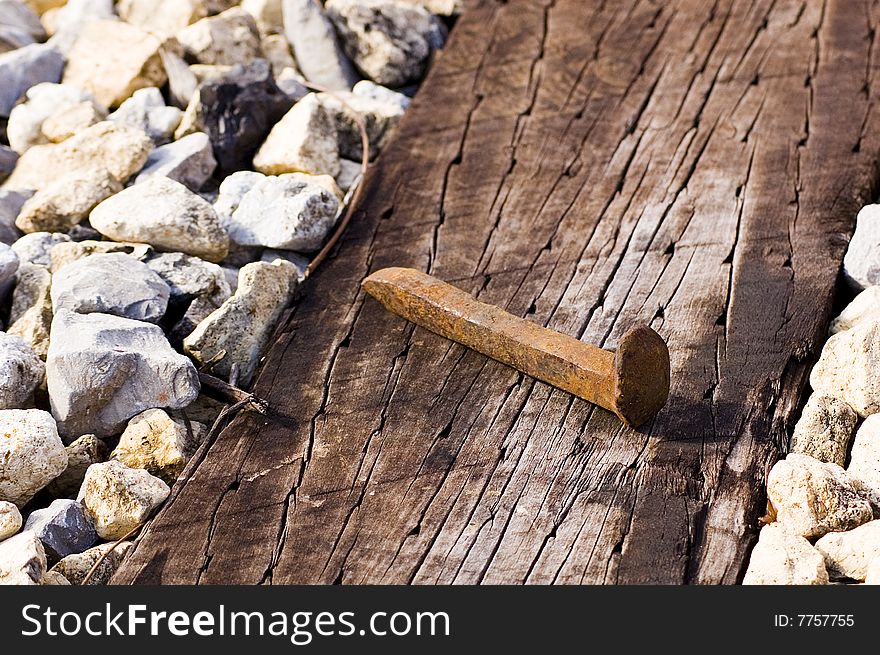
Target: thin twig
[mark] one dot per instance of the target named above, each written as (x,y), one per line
(217,389)
(106,553)
(356,196)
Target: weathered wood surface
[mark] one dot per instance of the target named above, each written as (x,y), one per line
(691,164)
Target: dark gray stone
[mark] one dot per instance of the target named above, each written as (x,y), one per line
(64,528)
(23,68)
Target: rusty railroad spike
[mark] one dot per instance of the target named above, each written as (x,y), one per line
(632,382)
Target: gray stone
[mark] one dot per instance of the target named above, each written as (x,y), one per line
(236,111)
(102,370)
(849,368)
(146,111)
(26,67)
(19,25)
(66,253)
(301,262)
(848,554)
(63,527)
(865,458)
(8,160)
(315,46)
(781,557)
(31,314)
(21,372)
(32,453)
(812,498)
(233,337)
(75,568)
(389,42)
(10,519)
(189,161)
(162,17)
(69,122)
(861,264)
(25,128)
(865,306)
(81,454)
(8,268)
(305,141)
(67,201)
(277,51)
(825,429)
(119,498)
(189,277)
(349,174)
(289,212)
(231,191)
(114,283)
(36,248)
(227,39)
(22,560)
(11,203)
(166,215)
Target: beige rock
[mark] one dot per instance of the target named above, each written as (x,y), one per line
(165,214)
(31,314)
(848,554)
(228,39)
(75,568)
(267,13)
(66,201)
(41,103)
(235,335)
(277,51)
(22,560)
(849,368)
(873,575)
(21,372)
(812,498)
(305,141)
(55,579)
(157,443)
(113,59)
(825,429)
(119,150)
(10,519)
(163,18)
(42,6)
(119,498)
(865,306)
(67,253)
(783,558)
(68,122)
(440,7)
(81,454)
(32,453)
(865,457)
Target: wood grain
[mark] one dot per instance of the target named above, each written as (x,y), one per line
(693,165)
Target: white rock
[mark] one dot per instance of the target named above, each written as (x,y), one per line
(861,264)
(21,372)
(22,560)
(32,453)
(35,248)
(113,59)
(166,215)
(315,45)
(189,161)
(389,42)
(31,314)
(69,122)
(812,498)
(120,498)
(848,554)
(69,22)
(231,191)
(110,284)
(235,335)
(162,17)
(277,52)
(11,203)
(825,429)
(440,7)
(67,201)
(41,102)
(301,262)
(75,568)
(305,140)
(146,110)
(81,454)
(228,39)
(268,14)
(865,457)
(10,519)
(873,575)
(24,68)
(288,212)
(68,252)
(55,579)
(162,446)
(8,267)
(105,148)
(783,558)
(102,370)
(865,306)
(849,368)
